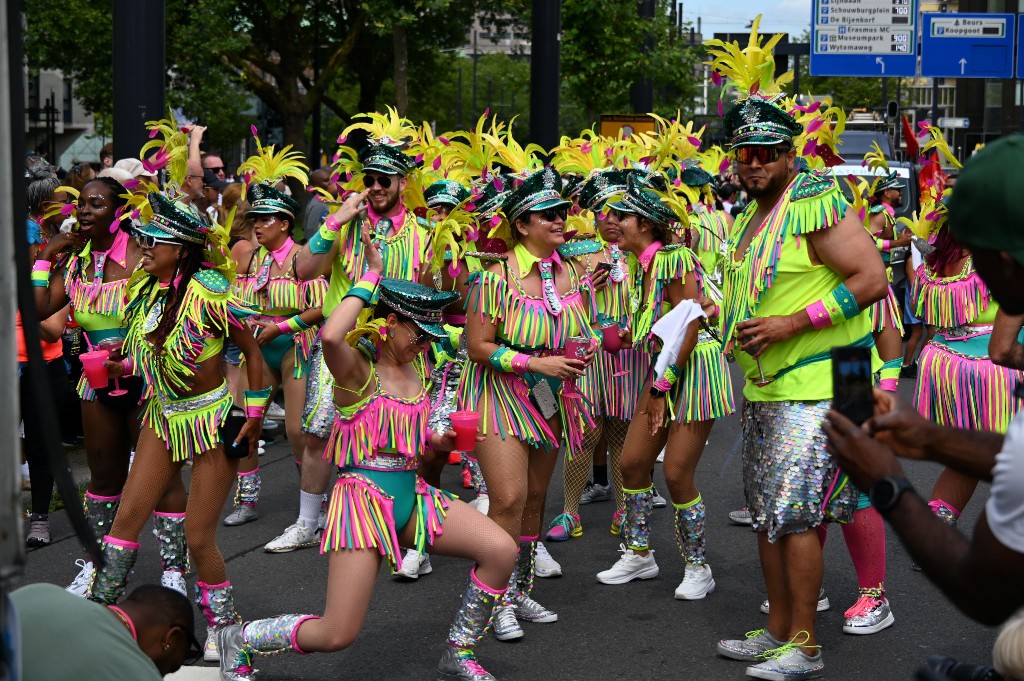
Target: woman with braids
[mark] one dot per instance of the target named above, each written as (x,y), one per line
(676,410)
(95,281)
(379,503)
(521,315)
(289,317)
(178,317)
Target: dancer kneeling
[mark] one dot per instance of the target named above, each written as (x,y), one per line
(378,503)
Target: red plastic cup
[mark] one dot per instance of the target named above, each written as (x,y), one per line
(95,370)
(612,342)
(577,347)
(466,424)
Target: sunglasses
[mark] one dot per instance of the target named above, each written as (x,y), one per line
(764,155)
(216,169)
(417,336)
(384,182)
(552,214)
(147,241)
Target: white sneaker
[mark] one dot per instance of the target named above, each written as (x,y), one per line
(544,565)
(210,651)
(658,501)
(482,503)
(823,602)
(506,626)
(275,411)
(414,564)
(296,536)
(81,583)
(629,567)
(697,583)
(661,456)
(172,579)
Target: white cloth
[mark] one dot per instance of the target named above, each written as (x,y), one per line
(915,257)
(671,329)
(1005,507)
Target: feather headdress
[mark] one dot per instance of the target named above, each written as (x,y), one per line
(271,167)
(171,144)
(751,70)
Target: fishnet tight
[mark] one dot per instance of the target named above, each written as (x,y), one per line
(213,476)
(352,574)
(577,470)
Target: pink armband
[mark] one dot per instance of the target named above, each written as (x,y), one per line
(41,266)
(662,384)
(370,277)
(252,412)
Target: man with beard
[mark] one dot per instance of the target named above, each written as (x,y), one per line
(980,575)
(402,241)
(799,271)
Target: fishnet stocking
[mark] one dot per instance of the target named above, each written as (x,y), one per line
(576,470)
(109,435)
(615,433)
(685,445)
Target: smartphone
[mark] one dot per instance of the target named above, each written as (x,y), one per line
(852,383)
(603,266)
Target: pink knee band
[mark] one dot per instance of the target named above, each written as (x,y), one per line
(936,504)
(222,585)
(295,634)
(124,543)
(533,538)
(168,515)
(257,470)
(889,384)
(483,587)
(99,498)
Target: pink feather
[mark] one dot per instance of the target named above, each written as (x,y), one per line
(716,78)
(255,132)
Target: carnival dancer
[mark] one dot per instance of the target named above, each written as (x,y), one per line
(379,172)
(379,502)
(613,381)
(801,268)
(678,409)
(521,315)
(289,309)
(955,366)
(178,317)
(94,278)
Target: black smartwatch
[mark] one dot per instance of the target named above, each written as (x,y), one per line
(886,493)
(657,393)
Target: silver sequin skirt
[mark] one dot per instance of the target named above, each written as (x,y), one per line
(318,412)
(791,483)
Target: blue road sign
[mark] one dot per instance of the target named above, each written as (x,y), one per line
(864,38)
(961,45)
(1020,47)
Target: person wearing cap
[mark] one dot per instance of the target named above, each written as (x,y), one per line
(374,343)
(677,408)
(444,195)
(94,264)
(336,245)
(980,574)
(801,267)
(178,318)
(522,313)
(613,381)
(286,325)
(136,169)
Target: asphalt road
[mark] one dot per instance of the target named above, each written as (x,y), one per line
(634,631)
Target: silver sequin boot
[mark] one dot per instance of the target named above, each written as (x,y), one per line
(217,603)
(169,530)
(458,662)
(526,608)
(108,584)
(247,493)
(99,514)
(239,643)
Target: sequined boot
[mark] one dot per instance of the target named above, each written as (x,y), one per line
(239,643)
(217,603)
(108,584)
(458,662)
(526,608)
(946,513)
(169,530)
(99,514)
(636,529)
(697,580)
(247,493)
(506,626)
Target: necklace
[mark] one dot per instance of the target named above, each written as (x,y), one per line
(125,620)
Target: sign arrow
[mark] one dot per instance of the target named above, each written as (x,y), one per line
(963,65)
(880,61)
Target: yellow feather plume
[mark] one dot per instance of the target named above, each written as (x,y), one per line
(751,69)
(938,141)
(270,167)
(58,208)
(472,151)
(170,146)
(386,128)
(522,160)
(366,327)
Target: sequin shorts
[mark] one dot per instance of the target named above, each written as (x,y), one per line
(318,412)
(791,483)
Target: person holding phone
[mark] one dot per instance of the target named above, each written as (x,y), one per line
(800,269)
(522,313)
(375,350)
(675,411)
(613,381)
(379,174)
(178,316)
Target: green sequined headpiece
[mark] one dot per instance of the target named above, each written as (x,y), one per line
(890,181)
(267,200)
(539,191)
(422,304)
(758,122)
(386,158)
(601,186)
(445,193)
(170,223)
(643,198)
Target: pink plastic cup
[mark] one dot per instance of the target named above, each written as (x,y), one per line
(95,370)
(466,424)
(612,342)
(577,347)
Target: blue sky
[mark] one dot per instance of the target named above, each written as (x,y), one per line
(780,16)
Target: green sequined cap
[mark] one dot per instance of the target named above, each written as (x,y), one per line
(890,181)
(757,122)
(643,198)
(267,200)
(445,193)
(422,304)
(386,158)
(171,223)
(601,186)
(540,191)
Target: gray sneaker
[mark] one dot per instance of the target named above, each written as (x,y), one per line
(242,514)
(38,531)
(869,615)
(233,663)
(594,493)
(506,626)
(823,602)
(530,610)
(460,665)
(658,501)
(793,663)
(748,649)
(740,517)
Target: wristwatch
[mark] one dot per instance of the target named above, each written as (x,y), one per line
(886,493)
(657,393)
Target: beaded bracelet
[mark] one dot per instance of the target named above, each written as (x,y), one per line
(837,306)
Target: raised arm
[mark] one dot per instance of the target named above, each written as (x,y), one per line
(48,287)
(321,248)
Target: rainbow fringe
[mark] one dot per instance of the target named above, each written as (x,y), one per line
(615,396)
(109,300)
(379,423)
(948,302)
(704,391)
(885,314)
(501,398)
(430,512)
(402,256)
(670,264)
(188,434)
(964,391)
